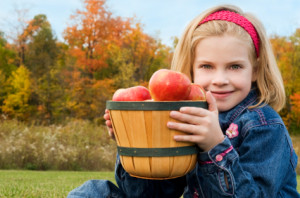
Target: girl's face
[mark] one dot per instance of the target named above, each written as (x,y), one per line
(222,66)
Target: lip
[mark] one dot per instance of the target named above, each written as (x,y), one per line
(221,94)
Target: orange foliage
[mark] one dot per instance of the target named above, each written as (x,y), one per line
(296,106)
(93,32)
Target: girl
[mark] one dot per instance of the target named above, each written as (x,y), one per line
(245,148)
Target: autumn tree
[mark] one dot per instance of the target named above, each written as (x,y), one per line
(42,51)
(40,59)
(295,100)
(144,53)
(287,53)
(85,97)
(20,89)
(7,66)
(93,31)
(3,90)
(7,57)
(17,25)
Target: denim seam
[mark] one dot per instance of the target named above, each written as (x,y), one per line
(261,116)
(241,109)
(247,128)
(199,185)
(220,184)
(225,169)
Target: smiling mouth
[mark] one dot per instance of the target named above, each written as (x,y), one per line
(221,94)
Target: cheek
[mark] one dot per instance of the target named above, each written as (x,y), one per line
(201,79)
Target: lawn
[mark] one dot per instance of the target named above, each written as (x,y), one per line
(54,184)
(35,184)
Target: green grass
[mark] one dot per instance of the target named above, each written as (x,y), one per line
(35,184)
(54,184)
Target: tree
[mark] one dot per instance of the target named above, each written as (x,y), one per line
(295,100)
(139,56)
(7,57)
(146,54)
(93,32)
(16,103)
(287,53)
(86,97)
(42,50)
(40,59)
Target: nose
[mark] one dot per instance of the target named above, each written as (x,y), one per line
(220,78)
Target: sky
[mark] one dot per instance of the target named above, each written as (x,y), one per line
(163,19)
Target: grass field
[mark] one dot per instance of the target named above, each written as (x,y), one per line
(40,184)
(54,184)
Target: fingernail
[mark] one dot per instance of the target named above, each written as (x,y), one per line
(169,124)
(182,108)
(172,113)
(176,137)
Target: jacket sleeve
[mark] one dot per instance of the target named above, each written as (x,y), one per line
(257,168)
(144,188)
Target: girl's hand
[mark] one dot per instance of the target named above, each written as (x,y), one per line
(201,125)
(108,124)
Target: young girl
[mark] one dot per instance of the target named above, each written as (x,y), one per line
(245,148)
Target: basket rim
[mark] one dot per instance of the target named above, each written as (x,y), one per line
(158,152)
(153,105)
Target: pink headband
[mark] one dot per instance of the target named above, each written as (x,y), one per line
(237,19)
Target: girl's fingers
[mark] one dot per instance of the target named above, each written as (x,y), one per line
(111,133)
(188,138)
(187,128)
(196,111)
(186,118)
(212,104)
(106,116)
(108,123)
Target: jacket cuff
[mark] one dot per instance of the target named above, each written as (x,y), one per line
(219,156)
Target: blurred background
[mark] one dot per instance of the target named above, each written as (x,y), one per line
(60,61)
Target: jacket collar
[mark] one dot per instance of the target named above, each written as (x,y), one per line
(227,117)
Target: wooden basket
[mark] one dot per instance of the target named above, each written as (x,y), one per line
(145,143)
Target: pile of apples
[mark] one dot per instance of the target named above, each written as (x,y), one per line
(164,85)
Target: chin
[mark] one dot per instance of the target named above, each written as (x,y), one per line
(222,108)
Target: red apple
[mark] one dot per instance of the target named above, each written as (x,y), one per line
(137,93)
(168,85)
(197,93)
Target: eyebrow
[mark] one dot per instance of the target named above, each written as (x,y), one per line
(230,62)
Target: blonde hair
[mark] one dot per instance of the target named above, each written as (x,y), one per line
(269,81)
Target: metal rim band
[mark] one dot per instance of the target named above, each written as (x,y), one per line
(154,106)
(157,152)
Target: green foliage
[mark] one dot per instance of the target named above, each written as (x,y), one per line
(7,57)
(125,75)
(3,90)
(42,51)
(50,95)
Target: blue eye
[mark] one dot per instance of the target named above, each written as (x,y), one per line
(235,67)
(205,66)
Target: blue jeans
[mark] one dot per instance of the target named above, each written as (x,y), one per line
(97,188)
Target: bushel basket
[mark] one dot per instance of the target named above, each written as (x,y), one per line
(145,144)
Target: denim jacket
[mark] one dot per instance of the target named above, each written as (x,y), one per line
(256,159)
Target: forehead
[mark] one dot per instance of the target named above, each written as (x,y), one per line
(224,47)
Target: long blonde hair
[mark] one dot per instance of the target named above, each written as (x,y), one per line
(269,81)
